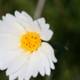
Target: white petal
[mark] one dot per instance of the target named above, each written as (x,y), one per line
(46,35)
(21,71)
(16,64)
(23,17)
(24,72)
(38,60)
(27,16)
(27,69)
(10,25)
(49,51)
(42,24)
(38,64)
(26,21)
(45,32)
(35,73)
(6,58)
(28,73)
(51,64)
(11,77)
(41,59)
(20,78)
(8,42)
(31,67)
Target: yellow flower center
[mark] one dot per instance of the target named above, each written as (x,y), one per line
(30,41)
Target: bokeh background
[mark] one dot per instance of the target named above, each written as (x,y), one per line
(64,18)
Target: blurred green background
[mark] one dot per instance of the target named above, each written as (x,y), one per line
(64,18)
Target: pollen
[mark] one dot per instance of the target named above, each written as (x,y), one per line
(30,41)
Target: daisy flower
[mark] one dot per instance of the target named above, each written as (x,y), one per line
(24,51)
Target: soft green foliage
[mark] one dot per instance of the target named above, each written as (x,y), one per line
(64,18)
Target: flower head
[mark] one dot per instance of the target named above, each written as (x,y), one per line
(24,51)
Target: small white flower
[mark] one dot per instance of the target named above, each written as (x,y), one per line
(23,50)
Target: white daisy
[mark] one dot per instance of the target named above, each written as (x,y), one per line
(24,51)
